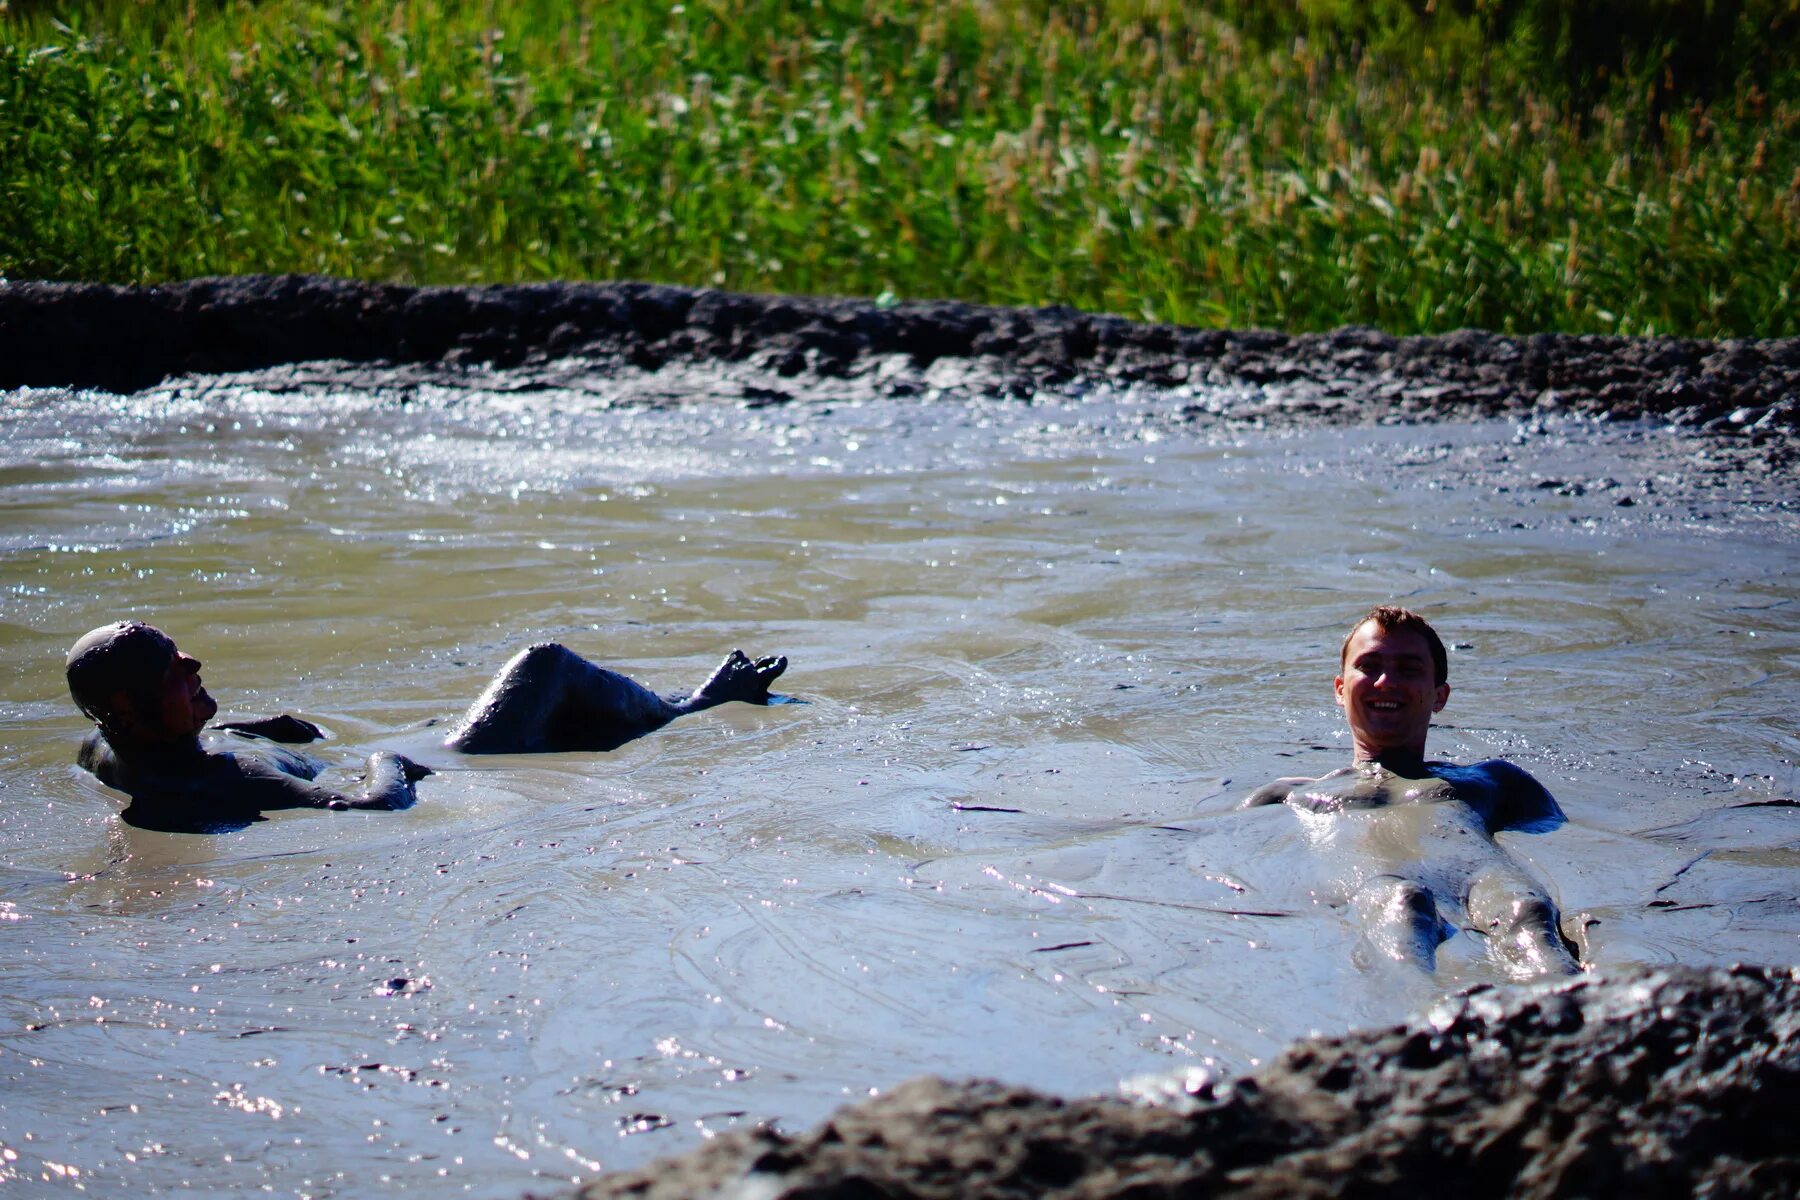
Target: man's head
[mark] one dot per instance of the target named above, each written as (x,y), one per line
(133,681)
(1392,676)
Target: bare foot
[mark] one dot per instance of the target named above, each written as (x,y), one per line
(738,678)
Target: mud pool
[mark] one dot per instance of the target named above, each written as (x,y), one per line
(1044,648)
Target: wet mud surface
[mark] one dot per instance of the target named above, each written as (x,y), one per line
(1661,1083)
(1658,1080)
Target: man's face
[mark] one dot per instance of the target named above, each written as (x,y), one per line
(1389,690)
(180,706)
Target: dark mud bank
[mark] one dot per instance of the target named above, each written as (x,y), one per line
(1678,1082)
(126,339)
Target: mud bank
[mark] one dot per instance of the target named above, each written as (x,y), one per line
(1669,1083)
(125,339)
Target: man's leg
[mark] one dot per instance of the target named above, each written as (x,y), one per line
(1400,923)
(550,698)
(737,678)
(1520,922)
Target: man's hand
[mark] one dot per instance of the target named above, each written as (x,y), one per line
(389,782)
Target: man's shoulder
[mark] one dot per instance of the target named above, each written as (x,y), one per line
(177,778)
(1512,796)
(1505,775)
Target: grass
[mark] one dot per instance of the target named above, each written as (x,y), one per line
(1299,165)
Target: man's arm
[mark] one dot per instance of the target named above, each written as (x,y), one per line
(285,728)
(387,785)
(1521,802)
(227,792)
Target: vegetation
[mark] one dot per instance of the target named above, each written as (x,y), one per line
(1616,166)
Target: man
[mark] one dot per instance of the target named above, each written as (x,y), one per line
(1419,834)
(149,708)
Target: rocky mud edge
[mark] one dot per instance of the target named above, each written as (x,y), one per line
(127,339)
(1675,1082)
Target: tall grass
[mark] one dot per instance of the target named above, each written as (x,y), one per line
(1303,164)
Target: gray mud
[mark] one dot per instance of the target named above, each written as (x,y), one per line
(1618,546)
(1664,1083)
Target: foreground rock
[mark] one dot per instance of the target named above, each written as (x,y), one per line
(1671,1083)
(126,339)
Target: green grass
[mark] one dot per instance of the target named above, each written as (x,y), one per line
(1297,165)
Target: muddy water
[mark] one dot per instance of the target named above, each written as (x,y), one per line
(1043,649)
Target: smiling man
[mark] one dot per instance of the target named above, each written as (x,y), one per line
(1417,836)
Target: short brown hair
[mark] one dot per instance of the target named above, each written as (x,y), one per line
(1394,619)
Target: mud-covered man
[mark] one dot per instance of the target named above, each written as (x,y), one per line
(1411,841)
(151,741)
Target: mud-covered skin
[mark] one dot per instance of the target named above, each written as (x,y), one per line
(1414,859)
(226,780)
(150,741)
(1501,794)
(548,698)
(1675,1082)
(285,728)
